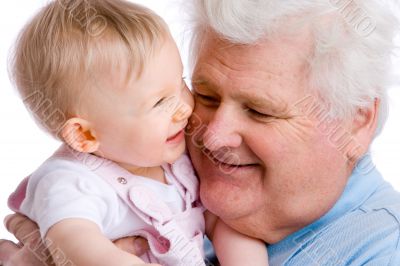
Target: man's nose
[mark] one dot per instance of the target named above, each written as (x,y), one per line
(223,130)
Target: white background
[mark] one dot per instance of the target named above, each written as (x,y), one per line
(23,147)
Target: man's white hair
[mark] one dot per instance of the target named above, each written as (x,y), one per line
(353,42)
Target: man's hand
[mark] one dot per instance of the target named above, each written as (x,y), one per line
(31,251)
(133,244)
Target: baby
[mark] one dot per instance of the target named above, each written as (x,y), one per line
(105,78)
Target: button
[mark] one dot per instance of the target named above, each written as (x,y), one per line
(122,180)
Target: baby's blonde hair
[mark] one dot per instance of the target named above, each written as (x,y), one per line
(71,44)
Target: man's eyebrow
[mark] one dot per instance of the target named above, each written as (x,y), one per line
(276,106)
(203,82)
(206,84)
(261,101)
(199,81)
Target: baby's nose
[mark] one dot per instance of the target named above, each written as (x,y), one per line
(183,112)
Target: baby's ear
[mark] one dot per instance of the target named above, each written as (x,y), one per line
(79,135)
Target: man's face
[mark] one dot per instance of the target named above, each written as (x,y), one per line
(265,168)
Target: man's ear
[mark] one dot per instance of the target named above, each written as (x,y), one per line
(79,135)
(364,126)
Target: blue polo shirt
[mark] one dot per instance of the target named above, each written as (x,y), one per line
(363,227)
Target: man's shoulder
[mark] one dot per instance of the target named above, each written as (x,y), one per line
(369,233)
(385,198)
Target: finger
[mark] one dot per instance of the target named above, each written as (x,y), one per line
(134,245)
(127,244)
(25,257)
(141,245)
(25,230)
(7,250)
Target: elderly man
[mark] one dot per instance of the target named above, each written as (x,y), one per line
(289,96)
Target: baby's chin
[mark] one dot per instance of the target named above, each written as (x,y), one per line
(174,155)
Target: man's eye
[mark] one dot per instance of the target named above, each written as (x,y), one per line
(205,98)
(256,113)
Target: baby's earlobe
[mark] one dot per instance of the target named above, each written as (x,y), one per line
(90,146)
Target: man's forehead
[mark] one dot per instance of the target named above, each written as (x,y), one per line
(277,53)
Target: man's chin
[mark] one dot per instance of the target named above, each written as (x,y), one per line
(227,198)
(216,203)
